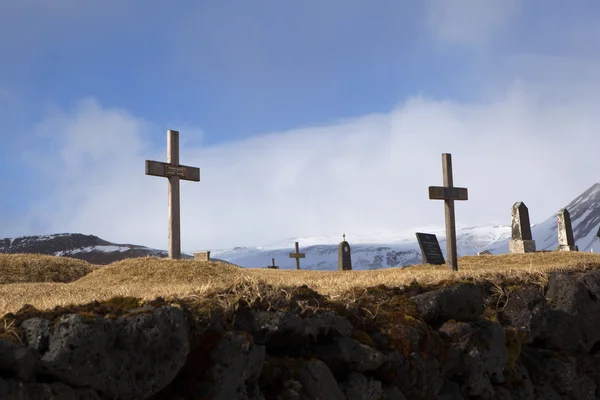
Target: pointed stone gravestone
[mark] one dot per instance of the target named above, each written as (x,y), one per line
(565,232)
(431,252)
(344,258)
(273,266)
(521,239)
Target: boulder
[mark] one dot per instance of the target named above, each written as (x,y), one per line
(130,357)
(570,295)
(16,361)
(461,302)
(481,355)
(346,354)
(359,387)
(526,309)
(288,333)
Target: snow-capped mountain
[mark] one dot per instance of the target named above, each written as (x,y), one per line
(85,247)
(371,251)
(585,220)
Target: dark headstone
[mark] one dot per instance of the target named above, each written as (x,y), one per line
(521,227)
(344,259)
(430,249)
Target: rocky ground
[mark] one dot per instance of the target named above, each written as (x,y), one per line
(453,340)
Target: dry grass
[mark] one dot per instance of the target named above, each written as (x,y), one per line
(20,268)
(149,278)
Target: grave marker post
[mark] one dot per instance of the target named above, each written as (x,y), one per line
(449,194)
(173,172)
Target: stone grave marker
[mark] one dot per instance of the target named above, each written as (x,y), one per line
(202,255)
(565,232)
(273,266)
(449,194)
(297,255)
(344,258)
(173,172)
(521,239)
(431,251)
(484,253)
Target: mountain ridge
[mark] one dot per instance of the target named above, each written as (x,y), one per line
(394,249)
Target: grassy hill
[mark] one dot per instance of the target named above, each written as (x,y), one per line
(46,282)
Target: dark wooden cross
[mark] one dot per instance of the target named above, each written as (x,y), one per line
(297,255)
(449,193)
(273,266)
(344,236)
(174,172)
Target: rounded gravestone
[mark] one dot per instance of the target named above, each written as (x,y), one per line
(344,258)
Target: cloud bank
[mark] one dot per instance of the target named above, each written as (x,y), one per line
(366,174)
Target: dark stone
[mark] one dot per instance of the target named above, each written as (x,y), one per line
(130,357)
(359,387)
(430,249)
(346,354)
(37,333)
(344,257)
(481,355)
(461,302)
(570,295)
(526,309)
(288,333)
(16,362)
(318,382)
(449,391)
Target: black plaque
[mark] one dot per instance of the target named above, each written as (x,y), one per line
(430,249)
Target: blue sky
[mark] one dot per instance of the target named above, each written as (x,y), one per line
(313,110)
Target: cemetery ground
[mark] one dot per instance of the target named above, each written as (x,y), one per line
(56,285)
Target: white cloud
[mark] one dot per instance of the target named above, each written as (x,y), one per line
(470,22)
(370,173)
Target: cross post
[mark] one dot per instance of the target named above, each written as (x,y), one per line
(297,255)
(173,172)
(273,266)
(449,193)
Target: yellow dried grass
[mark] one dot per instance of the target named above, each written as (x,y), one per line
(149,278)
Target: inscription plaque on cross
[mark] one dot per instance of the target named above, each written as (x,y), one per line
(173,172)
(297,255)
(449,193)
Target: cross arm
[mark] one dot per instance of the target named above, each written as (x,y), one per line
(448,193)
(166,170)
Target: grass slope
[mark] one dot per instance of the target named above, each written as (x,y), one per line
(46,282)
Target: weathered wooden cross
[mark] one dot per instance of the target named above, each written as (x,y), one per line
(449,193)
(174,172)
(273,266)
(297,255)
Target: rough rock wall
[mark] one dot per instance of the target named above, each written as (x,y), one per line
(460,341)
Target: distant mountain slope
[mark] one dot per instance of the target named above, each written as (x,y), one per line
(367,252)
(84,247)
(585,220)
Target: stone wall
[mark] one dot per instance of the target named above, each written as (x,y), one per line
(446,342)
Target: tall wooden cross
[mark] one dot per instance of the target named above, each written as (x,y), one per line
(297,255)
(174,172)
(449,193)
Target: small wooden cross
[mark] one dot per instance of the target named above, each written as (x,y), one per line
(297,255)
(344,236)
(273,264)
(174,172)
(449,193)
